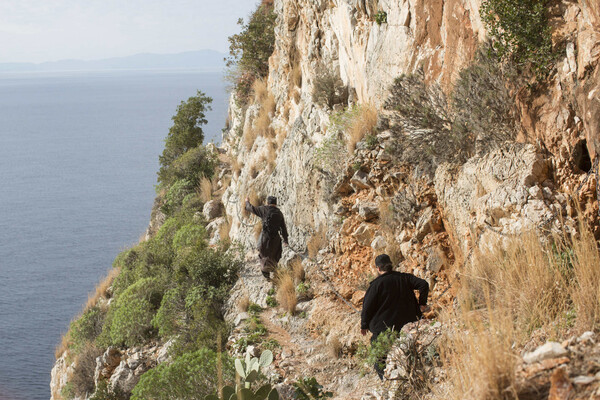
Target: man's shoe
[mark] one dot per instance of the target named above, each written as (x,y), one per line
(267,275)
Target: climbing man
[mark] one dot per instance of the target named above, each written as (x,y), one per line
(273,229)
(390,303)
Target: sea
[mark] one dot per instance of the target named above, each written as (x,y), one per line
(78,161)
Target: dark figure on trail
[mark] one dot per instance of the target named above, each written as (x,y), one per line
(390,302)
(273,229)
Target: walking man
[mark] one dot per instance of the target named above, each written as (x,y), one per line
(273,229)
(390,302)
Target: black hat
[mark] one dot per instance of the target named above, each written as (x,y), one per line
(272,200)
(382,260)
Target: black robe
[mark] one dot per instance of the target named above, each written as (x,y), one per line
(273,229)
(390,302)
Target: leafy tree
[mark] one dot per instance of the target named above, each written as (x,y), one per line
(519,30)
(186,132)
(249,50)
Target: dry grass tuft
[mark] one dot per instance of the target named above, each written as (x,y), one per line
(257,229)
(506,294)
(236,166)
(205,189)
(335,347)
(363,123)
(243,303)
(102,289)
(286,291)
(480,360)
(260,89)
(317,242)
(585,290)
(224,230)
(63,346)
(249,137)
(254,199)
(296,75)
(297,270)
(262,123)
(281,135)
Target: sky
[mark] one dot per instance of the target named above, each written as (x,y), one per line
(50,30)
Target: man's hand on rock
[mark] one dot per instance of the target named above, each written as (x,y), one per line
(424,309)
(247,200)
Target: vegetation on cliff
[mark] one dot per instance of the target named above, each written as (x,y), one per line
(170,287)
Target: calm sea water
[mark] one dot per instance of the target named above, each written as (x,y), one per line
(78,161)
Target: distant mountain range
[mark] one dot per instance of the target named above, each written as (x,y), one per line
(208,60)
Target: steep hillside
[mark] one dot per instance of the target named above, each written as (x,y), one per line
(469,156)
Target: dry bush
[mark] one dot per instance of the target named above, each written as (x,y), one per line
(316,242)
(297,270)
(243,303)
(286,291)
(585,290)
(82,378)
(205,189)
(335,347)
(363,122)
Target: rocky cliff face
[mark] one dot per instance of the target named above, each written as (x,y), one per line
(534,184)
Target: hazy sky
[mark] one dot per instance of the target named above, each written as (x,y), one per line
(50,30)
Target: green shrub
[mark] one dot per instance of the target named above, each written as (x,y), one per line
(186,132)
(86,328)
(190,236)
(328,88)
(190,376)
(249,50)
(310,389)
(331,155)
(175,195)
(192,166)
(104,392)
(381,17)
(208,267)
(519,30)
(132,314)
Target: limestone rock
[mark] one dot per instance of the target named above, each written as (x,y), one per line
(368,211)
(364,234)
(378,243)
(428,222)
(548,350)
(360,180)
(212,209)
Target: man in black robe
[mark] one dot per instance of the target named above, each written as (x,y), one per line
(390,302)
(273,229)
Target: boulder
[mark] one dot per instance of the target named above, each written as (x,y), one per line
(548,350)
(368,211)
(360,181)
(212,209)
(378,243)
(364,234)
